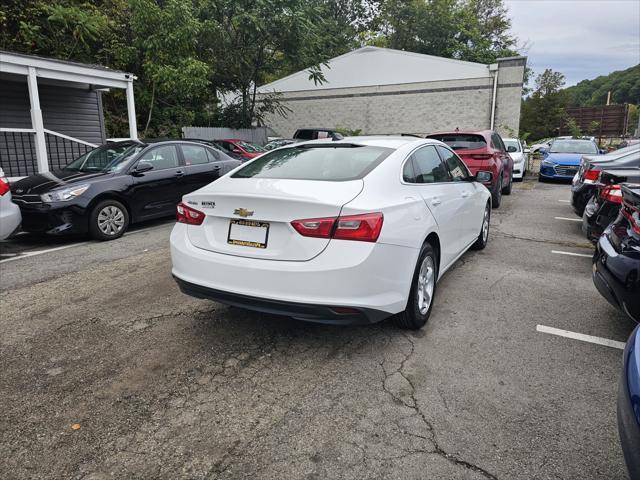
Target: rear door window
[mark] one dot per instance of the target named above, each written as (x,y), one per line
(457,168)
(428,166)
(461,141)
(329,163)
(194,154)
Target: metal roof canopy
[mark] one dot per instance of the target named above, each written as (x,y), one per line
(372,66)
(97,76)
(34,67)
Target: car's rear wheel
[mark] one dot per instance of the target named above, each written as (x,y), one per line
(483,236)
(108,220)
(423,289)
(496,195)
(507,190)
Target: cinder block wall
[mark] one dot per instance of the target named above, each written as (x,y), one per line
(417,108)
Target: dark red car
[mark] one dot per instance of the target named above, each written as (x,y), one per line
(240,147)
(483,150)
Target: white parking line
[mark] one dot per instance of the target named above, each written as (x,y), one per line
(63,247)
(564,201)
(580,336)
(569,219)
(560,252)
(40,252)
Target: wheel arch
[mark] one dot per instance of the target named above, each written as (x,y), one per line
(434,240)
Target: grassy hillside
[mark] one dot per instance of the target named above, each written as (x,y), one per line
(623,84)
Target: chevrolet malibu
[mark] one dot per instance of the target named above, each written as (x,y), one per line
(343,232)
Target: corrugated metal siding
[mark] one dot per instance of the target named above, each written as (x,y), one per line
(70,111)
(256,135)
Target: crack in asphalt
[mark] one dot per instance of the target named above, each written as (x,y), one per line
(415,406)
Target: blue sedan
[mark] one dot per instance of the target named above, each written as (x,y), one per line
(561,160)
(629,405)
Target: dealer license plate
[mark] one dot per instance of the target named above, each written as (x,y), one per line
(248,233)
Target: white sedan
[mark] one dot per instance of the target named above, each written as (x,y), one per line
(348,231)
(516,152)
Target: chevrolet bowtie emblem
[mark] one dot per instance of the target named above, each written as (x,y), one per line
(243,212)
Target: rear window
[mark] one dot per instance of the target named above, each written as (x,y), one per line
(328,163)
(461,141)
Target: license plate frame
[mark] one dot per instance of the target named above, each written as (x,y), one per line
(251,243)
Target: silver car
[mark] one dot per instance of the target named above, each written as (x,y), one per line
(10,217)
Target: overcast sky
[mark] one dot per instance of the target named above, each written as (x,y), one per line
(580,38)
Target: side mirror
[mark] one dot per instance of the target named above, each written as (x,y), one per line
(484,177)
(603,151)
(142,167)
(511,149)
(527,150)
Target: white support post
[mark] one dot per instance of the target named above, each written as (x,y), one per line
(131,111)
(36,122)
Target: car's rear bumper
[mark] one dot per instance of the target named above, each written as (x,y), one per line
(9,217)
(372,278)
(300,311)
(580,196)
(613,276)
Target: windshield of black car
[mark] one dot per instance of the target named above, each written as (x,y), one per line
(335,163)
(461,141)
(110,158)
(573,146)
(512,143)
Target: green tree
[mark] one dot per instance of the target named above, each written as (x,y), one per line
(544,111)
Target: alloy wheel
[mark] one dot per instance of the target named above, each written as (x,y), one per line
(426,284)
(111,220)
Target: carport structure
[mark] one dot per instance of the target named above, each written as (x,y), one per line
(51,111)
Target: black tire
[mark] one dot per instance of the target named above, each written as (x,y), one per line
(108,220)
(496,195)
(507,190)
(483,236)
(412,318)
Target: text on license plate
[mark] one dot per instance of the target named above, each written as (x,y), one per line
(248,233)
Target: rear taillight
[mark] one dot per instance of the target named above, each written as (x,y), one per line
(364,228)
(591,176)
(188,215)
(633,215)
(315,227)
(481,156)
(4,186)
(612,193)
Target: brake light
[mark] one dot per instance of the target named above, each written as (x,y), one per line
(481,156)
(315,227)
(591,176)
(188,215)
(612,193)
(633,215)
(365,227)
(4,186)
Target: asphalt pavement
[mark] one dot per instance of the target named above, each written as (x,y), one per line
(108,371)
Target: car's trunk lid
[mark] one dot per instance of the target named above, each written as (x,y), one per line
(251,217)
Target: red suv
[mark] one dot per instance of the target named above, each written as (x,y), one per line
(483,150)
(239,147)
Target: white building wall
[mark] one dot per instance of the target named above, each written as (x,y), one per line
(417,108)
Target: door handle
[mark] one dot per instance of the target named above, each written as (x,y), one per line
(465,194)
(435,201)
(179,173)
(216,167)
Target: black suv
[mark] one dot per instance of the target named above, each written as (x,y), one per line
(108,188)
